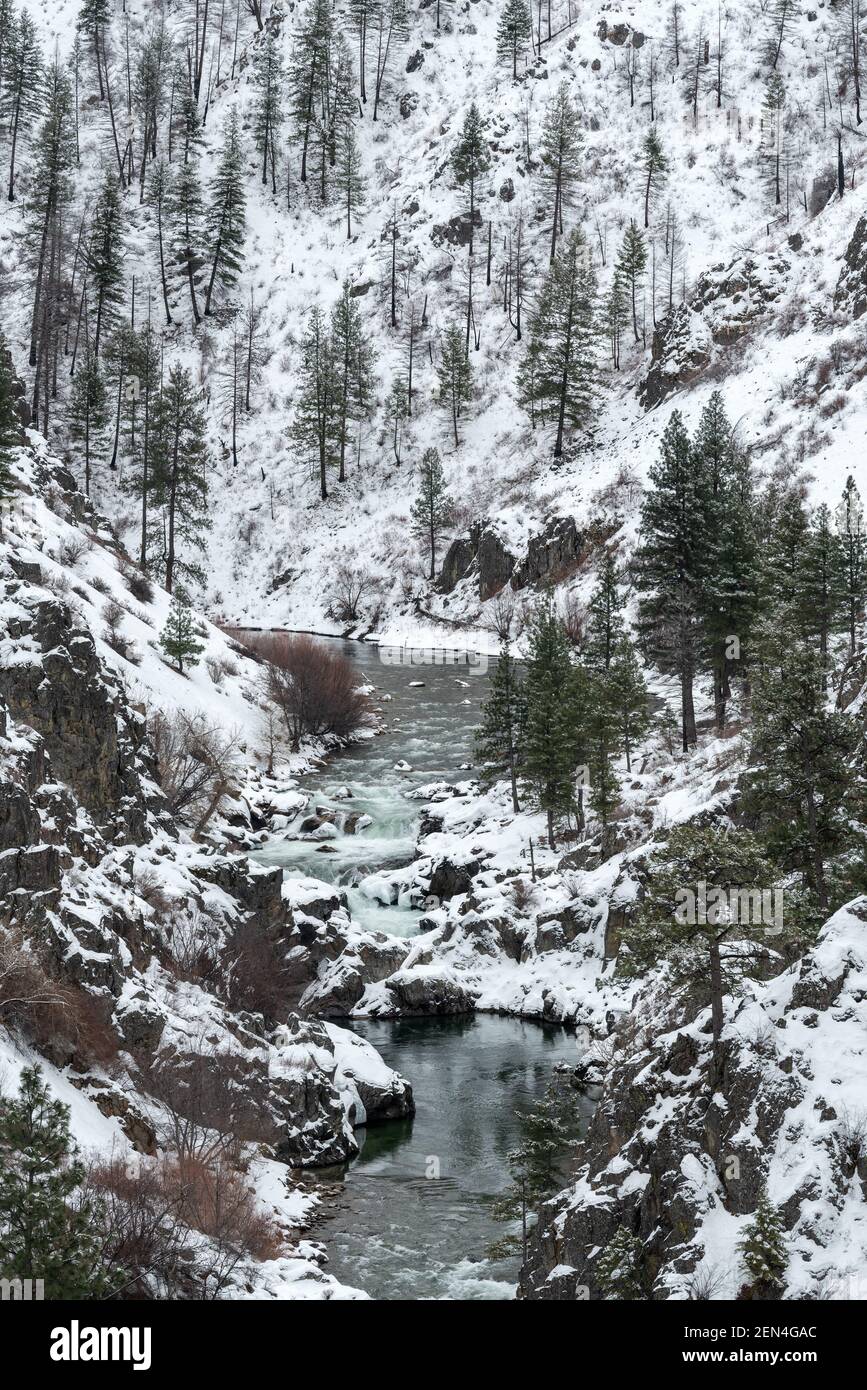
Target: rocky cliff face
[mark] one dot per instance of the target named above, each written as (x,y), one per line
(677,1155)
(99,886)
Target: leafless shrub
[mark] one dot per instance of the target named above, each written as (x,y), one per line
(574,619)
(148,885)
(64,1021)
(522,893)
(191,938)
(504,615)
(197,763)
(139,585)
(317,690)
(100,585)
(851,1134)
(255,976)
(705,1284)
(72,550)
(57,583)
(208,1110)
(348,586)
(621,495)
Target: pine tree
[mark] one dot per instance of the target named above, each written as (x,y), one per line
(432,506)
(631,265)
(180,639)
(269,82)
(88,411)
(727,552)
(539,1166)
(557,376)
(315,425)
(550,740)
(179,486)
(600,739)
(499,738)
(119,349)
(160,199)
(713,940)
(186,211)
(10,429)
(144,365)
(655,167)
(106,259)
(615,315)
(227,216)
(21,92)
(513,32)
(605,624)
(309,72)
(94,20)
(667,566)
(396,410)
(353,359)
(471,156)
(763,1248)
(53,159)
(799,781)
(629,698)
(620,1268)
(823,586)
(772,105)
(455,376)
(43,1233)
(348,176)
(560,150)
(392,24)
(853,533)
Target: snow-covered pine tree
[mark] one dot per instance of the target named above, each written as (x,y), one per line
(620,1270)
(150,78)
(631,265)
(392,29)
(471,156)
(396,410)
(629,698)
(308,71)
(160,199)
(772,107)
(604,621)
(119,348)
(823,588)
(21,93)
(800,782)
(348,176)
(314,426)
(514,32)
(185,207)
(269,83)
(550,738)
(433,505)
(560,151)
(106,259)
(499,738)
(88,410)
(51,163)
(227,211)
(455,376)
(181,636)
(44,1232)
(667,565)
(654,162)
(353,357)
(615,315)
(763,1248)
(179,473)
(144,368)
(557,377)
(94,20)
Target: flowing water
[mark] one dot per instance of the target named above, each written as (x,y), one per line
(413,1216)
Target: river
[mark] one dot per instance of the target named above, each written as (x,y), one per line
(412,1218)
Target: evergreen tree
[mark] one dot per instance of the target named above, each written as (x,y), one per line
(853,533)
(655,167)
(392,25)
(21,92)
(712,941)
(600,735)
(539,1166)
(455,376)
(186,211)
(269,82)
(629,698)
(799,781)
(353,358)
(560,150)
(144,366)
(397,410)
(823,582)
(631,265)
(514,32)
(348,176)
(180,638)
(52,162)
(227,215)
(471,156)
(620,1270)
(43,1233)
(106,258)
(763,1249)
(727,550)
(94,19)
(499,738)
(309,72)
(10,429)
(88,411)
(785,541)
(119,349)
(772,105)
(160,199)
(557,377)
(432,506)
(604,623)
(550,740)
(179,486)
(315,425)
(615,316)
(667,565)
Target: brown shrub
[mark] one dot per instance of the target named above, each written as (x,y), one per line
(197,763)
(256,976)
(66,1023)
(317,690)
